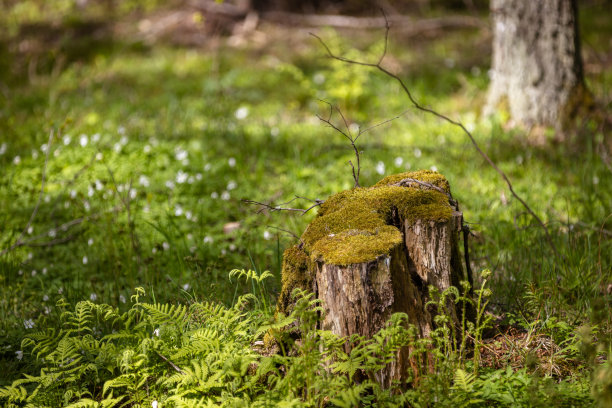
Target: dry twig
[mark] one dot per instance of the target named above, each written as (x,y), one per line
(378,65)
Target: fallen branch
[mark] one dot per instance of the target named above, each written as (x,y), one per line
(378,66)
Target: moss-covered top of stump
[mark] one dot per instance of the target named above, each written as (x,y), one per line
(355,226)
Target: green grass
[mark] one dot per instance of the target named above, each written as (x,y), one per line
(182,136)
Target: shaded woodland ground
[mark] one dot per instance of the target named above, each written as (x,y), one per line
(165,117)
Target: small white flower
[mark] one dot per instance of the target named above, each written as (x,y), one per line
(73,193)
(231,185)
(214,195)
(181,177)
(147,149)
(30,230)
(433,168)
(188,215)
(166,246)
(178,211)
(225,195)
(52,233)
(44,271)
(143,181)
(231,161)
(45,298)
(30,256)
(19,354)
(93,297)
(34,272)
(186,287)
(90,191)
(67,204)
(99,185)
(122,298)
(35,154)
(60,291)
(83,140)
(20,272)
(318,78)
(43,148)
(95,138)
(154,404)
(133,193)
(198,176)
(595,180)
(208,166)
(90,241)
(117,147)
(123,140)
(16,160)
(417,152)
(208,239)
(153,250)
(86,205)
(241,113)
(354,128)
(232,247)
(2,149)
(156,332)
(99,156)
(170,184)
(28,324)
(267,235)
(398,161)
(85,260)
(380,167)
(180,154)
(47,198)
(56,153)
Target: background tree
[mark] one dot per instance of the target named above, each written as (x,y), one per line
(536,61)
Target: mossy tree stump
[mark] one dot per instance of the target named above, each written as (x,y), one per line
(374,251)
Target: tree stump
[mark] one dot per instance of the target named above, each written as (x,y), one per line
(371,252)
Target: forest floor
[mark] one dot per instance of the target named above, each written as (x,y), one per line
(126,152)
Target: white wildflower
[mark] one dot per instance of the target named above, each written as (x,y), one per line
(90,191)
(121,130)
(231,161)
(35,154)
(28,324)
(16,160)
(318,78)
(154,404)
(354,128)
(231,185)
(30,230)
(45,298)
(44,271)
(95,138)
(147,149)
(99,156)
(2,149)
(83,140)
(186,287)
(241,113)
(52,233)
(170,184)
(166,246)
(417,152)
(380,167)
(232,247)
(198,176)
(19,354)
(180,154)
(214,195)
(73,193)
(181,177)
(433,168)
(93,297)
(156,332)
(207,166)
(208,239)
(398,161)
(143,181)
(123,140)
(267,235)
(133,193)
(122,298)
(85,260)
(225,195)
(178,211)
(34,272)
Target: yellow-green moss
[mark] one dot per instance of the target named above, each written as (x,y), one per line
(353,226)
(294,275)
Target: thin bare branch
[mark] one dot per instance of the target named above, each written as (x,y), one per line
(167,360)
(273,208)
(445,118)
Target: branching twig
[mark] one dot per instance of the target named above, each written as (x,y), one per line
(445,118)
(18,242)
(167,360)
(279,207)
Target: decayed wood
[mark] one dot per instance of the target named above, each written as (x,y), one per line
(360,298)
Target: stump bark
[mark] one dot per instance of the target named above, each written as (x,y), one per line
(372,252)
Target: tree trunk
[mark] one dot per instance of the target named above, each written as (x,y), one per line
(536,63)
(360,281)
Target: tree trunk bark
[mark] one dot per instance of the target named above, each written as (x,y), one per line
(536,63)
(360,292)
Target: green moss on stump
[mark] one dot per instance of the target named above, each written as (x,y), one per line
(356,226)
(353,226)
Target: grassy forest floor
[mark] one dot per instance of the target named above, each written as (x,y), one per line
(144,151)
